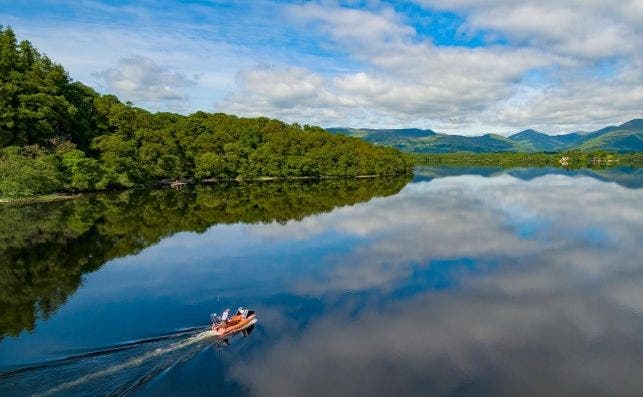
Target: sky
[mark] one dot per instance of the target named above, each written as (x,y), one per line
(455,66)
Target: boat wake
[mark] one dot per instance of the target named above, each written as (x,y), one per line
(112,371)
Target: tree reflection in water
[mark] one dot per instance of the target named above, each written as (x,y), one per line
(45,248)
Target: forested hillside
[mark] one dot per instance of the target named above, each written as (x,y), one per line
(60,135)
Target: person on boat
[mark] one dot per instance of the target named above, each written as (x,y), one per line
(224,316)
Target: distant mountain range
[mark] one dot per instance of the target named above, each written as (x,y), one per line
(624,138)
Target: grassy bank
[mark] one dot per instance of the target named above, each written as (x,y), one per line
(574,159)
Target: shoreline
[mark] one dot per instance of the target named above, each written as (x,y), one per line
(45,198)
(288,178)
(563,160)
(177,184)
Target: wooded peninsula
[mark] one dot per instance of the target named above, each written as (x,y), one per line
(59,135)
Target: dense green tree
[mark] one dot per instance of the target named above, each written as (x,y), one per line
(34,95)
(209,165)
(28,171)
(83,173)
(88,141)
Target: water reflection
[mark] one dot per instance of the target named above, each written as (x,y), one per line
(45,248)
(477,342)
(517,283)
(551,305)
(624,175)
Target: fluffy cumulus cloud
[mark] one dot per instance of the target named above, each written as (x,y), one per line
(591,30)
(597,77)
(403,82)
(117,59)
(552,65)
(142,79)
(293,93)
(458,66)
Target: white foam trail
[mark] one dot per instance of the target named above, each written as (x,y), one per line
(132,362)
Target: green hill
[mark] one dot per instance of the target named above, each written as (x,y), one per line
(60,135)
(406,139)
(428,141)
(625,138)
(487,143)
(535,141)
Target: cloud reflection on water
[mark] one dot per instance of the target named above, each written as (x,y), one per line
(558,312)
(580,224)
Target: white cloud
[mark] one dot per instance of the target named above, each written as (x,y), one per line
(579,29)
(143,80)
(269,88)
(553,65)
(408,80)
(585,54)
(87,49)
(575,104)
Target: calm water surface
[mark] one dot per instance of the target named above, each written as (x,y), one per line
(461,282)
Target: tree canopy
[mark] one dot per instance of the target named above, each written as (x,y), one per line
(60,135)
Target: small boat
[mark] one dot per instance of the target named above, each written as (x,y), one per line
(224,326)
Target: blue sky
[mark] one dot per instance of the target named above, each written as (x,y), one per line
(458,66)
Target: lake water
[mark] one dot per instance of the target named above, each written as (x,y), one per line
(457,282)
